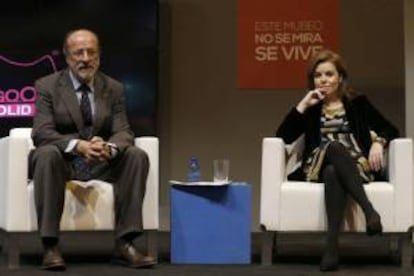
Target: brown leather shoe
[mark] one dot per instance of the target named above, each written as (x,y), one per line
(126,254)
(52,259)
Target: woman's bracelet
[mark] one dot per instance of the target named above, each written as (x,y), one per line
(380,140)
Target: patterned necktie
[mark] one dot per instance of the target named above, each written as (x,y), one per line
(86,111)
(81,166)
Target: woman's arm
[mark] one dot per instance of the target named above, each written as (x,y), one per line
(292,126)
(378,123)
(385,132)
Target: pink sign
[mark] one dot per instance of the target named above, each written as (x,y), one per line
(19,100)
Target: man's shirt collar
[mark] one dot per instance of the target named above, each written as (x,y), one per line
(77,84)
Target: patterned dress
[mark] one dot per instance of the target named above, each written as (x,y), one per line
(335,127)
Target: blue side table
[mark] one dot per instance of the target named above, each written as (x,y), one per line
(211,224)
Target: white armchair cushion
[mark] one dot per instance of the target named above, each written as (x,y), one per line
(88,206)
(302,207)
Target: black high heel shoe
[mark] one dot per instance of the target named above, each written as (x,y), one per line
(329,262)
(374,226)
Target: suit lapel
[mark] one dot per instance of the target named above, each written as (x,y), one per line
(100,94)
(67,93)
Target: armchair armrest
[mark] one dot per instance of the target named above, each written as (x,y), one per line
(150,206)
(272,176)
(14,203)
(400,169)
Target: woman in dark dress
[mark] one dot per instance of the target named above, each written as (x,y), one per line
(345,137)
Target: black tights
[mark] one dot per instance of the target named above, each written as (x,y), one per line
(341,177)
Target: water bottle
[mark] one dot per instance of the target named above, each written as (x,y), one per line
(193,170)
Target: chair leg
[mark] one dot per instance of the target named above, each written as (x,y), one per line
(394,247)
(152,243)
(406,250)
(267,247)
(11,248)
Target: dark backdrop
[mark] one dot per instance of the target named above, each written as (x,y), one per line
(32,35)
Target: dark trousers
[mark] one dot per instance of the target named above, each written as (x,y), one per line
(50,171)
(341,177)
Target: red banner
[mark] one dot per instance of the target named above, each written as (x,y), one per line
(277,38)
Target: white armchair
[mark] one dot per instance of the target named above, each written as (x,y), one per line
(88,205)
(281,199)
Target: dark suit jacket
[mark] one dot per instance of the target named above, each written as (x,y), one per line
(59,120)
(362,116)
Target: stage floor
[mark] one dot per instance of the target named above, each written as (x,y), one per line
(298,254)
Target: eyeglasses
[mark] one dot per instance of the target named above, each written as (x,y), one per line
(92,53)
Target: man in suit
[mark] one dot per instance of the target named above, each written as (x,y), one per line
(81,132)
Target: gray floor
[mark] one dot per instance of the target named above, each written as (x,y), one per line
(297,254)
